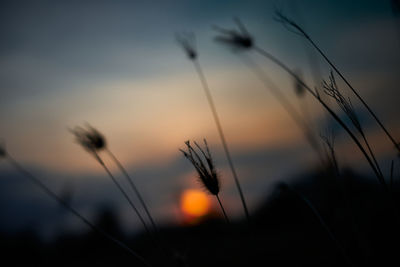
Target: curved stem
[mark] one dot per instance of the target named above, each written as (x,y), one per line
(396,145)
(53,195)
(328,109)
(122,192)
(133,186)
(221,133)
(289,108)
(371,153)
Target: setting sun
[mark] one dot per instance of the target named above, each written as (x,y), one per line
(195,203)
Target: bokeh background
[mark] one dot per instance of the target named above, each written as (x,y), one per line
(116,65)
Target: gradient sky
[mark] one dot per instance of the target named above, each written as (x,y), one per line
(116,65)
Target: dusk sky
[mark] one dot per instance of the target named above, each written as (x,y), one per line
(117,66)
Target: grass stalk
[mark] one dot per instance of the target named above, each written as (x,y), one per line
(210,100)
(64,204)
(287,105)
(299,30)
(331,89)
(134,187)
(122,191)
(328,109)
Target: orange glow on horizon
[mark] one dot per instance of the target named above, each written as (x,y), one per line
(195,203)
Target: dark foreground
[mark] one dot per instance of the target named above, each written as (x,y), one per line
(318,221)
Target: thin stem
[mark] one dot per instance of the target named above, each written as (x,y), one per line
(330,111)
(330,146)
(53,195)
(133,186)
(221,133)
(222,208)
(397,145)
(311,55)
(122,192)
(371,153)
(157,239)
(286,104)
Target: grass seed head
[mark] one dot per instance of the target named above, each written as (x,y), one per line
(331,89)
(187,41)
(203,163)
(289,24)
(237,39)
(89,138)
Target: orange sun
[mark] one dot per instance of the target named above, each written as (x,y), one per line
(195,203)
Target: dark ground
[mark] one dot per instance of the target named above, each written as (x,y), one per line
(360,229)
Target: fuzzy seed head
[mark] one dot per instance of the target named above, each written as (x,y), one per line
(89,138)
(204,166)
(188,42)
(237,39)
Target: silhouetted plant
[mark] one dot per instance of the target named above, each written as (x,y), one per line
(297,29)
(187,41)
(93,142)
(332,90)
(238,40)
(66,205)
(316,95)
(134,188)
(207,173)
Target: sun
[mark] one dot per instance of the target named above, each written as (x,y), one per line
(195,203)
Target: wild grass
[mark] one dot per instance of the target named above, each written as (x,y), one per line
(94,142)
(207,172)
(45,189)
(188,43)
(134,188)
(294,27)
(331,89)
(242,40)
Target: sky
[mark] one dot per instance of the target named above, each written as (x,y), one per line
(117,66)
